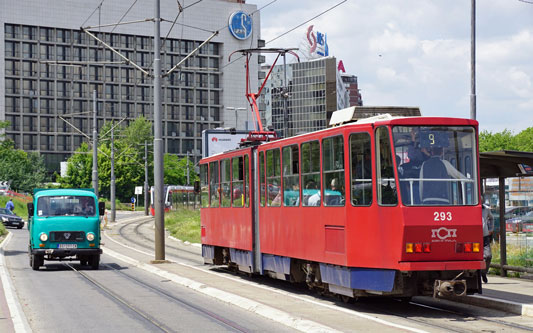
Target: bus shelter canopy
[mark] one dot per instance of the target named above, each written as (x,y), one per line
(505,163)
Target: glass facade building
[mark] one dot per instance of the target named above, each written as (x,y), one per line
(38,90)
(311,96)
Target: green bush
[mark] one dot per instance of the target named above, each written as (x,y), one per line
(3,230)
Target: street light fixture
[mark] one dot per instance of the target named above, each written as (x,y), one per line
(237,109)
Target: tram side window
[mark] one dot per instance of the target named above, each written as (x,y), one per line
(225,183)
(291,176)
(204,186)
(361,169)
(214,186)
(333,170)
(237,181)
(273,169)
(386,183)
(311,173)
(246,181)
(262,187)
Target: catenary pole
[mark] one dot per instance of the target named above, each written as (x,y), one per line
(95,147)
(113,204)
(146,189)
(473,61)
(158,144)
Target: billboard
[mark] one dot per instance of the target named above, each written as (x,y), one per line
(215,141)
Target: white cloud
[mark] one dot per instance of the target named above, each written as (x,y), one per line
(417,53)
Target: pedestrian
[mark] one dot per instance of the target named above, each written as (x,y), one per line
(10,206)
(488,229)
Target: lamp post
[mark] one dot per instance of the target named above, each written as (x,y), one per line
(236,109)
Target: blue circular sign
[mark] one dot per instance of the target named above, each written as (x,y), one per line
(132,199)
(240,25)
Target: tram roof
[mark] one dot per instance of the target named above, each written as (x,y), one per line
(505,163)
(383,119)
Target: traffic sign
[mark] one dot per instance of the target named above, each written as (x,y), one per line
(132,199)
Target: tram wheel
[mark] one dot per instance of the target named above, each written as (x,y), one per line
(346,299)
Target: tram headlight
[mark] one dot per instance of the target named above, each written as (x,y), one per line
(43,237)
(90,236)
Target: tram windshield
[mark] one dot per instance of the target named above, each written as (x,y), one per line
(436,165)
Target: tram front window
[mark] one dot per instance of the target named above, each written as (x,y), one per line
(436,165)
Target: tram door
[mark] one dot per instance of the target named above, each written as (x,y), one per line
(254,199)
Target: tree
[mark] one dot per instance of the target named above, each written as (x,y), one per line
(175,170)
(506,140)
(25,171)
(129,164)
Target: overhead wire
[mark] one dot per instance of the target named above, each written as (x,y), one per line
(123,16)
(94,11)
(296,27)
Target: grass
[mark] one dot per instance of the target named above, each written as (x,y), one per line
(516,256)
(184,224)
(20,206)
(3,230)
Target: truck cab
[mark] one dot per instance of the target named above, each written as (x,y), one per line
(64,224)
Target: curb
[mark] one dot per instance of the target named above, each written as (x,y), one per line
(495,304)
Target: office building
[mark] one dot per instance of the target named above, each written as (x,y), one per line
(35,90)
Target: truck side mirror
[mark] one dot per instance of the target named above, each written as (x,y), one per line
(101,208)
(197,186)
(30,209)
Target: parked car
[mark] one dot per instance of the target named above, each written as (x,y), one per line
(9,219)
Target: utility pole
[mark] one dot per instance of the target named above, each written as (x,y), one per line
(146,189)
(473,62)
(95,147)
(188,174)
(158,144)
(113,208)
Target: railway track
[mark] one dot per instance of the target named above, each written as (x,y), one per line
(224,323)
(415,312)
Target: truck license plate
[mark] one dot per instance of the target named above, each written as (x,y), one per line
(67,246)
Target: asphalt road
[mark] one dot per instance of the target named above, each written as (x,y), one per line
(122,297)
(65,297)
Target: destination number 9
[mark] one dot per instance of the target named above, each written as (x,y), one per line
(442,216)
(432,139)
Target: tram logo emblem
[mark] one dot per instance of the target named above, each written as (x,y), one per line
(443,233)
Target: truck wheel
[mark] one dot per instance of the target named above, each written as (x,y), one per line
(95,261)
(36,261)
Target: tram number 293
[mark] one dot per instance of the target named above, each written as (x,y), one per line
(442,216)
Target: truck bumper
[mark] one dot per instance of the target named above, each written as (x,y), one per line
(66,252)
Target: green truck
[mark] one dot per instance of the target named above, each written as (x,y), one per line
(64,224)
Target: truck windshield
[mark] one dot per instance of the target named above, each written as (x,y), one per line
(436,165)
(66,206)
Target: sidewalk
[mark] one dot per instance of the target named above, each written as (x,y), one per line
(510,295)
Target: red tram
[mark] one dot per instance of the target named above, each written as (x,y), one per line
(385,207)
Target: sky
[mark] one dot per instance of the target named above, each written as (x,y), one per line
(417,52)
